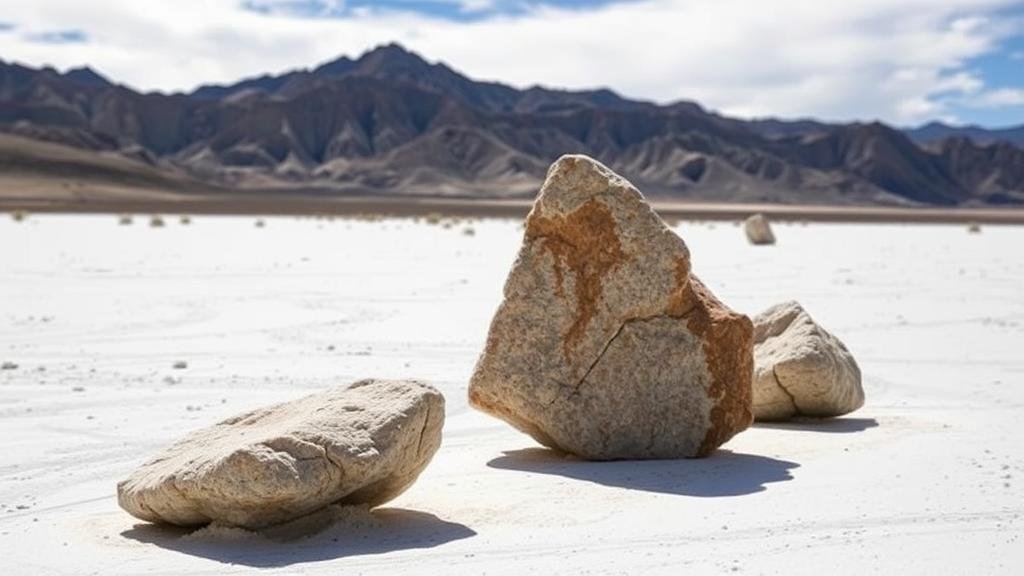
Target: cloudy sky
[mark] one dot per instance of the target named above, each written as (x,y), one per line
(902,61)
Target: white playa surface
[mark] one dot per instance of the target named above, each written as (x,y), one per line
(928,478)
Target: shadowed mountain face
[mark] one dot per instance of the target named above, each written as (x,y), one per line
(393,123)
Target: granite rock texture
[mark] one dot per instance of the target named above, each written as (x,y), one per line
(800,369)
(359,444)
(606,346)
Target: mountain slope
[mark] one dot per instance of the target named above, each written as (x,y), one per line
(390,122)
(62,171)
(937,131)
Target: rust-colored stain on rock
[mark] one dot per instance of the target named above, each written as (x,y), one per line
(728,345)
(586,242)
(680,302)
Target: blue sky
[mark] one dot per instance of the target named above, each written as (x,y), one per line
(1002,70)
(901,61)
(457,10)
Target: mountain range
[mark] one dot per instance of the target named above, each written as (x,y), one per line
(390,122)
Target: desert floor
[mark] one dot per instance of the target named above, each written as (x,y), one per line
(928,478)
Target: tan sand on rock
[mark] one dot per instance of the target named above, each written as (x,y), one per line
(359,444)
(606,346)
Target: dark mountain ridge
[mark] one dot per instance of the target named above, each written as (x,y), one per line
(390,122)
(937,131)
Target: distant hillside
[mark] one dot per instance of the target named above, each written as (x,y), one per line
(392,123)
(935,131)
(31,161)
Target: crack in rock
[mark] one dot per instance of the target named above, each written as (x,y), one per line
(600,355)
(792,399)
(579,383)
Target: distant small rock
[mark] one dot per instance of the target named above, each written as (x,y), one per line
(759,231)
(359,444)
(974,228)
(156,222)
(8,366)
(800,369)
(260,223)
(124,220)
(180,365)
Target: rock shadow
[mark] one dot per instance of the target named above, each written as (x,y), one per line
(307,540)
(830,425)
(722,474)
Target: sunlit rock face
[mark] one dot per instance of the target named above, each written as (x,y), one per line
(605,345)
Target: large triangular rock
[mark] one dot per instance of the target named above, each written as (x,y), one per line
(800,369)
(359,444)
(606,346)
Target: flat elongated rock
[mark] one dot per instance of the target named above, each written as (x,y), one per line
(359,444)
(800,369)
(759,231)
(605,345)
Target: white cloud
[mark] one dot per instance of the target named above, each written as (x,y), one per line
(296,7)
(476,5)
(999,98)
(901,61)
